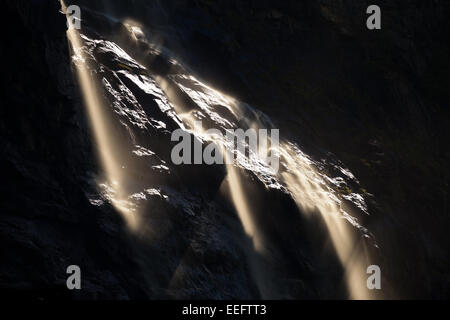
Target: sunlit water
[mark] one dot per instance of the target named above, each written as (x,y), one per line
(114,173)
(298,174)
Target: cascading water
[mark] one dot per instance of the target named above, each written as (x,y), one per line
(108,148)
(185,100)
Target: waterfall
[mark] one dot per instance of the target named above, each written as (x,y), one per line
(299,175)
(108,148)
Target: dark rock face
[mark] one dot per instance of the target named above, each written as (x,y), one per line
(375,100)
